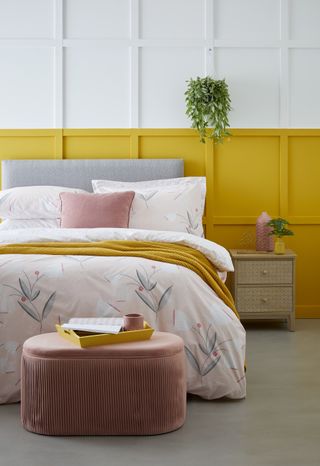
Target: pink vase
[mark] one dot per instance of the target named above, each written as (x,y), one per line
(264,242)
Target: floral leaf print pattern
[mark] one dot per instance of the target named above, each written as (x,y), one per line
(24,289)
(191,221)
(35,295)
(213,352)
(28,296)
(204,368)
(210,366)
(152,303)
(147,197)
(165,298)
(111,308)
(193,224)
(48,306)
(146,301)
(194,363)
(208,346)
(148,292)
(81,260)
(29,311)
(145,281)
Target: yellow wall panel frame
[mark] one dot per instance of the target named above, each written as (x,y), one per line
(97,144)
(303,177)
(252,163)
(256,169)
(32,144)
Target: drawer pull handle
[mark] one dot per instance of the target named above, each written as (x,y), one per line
(265,272)
(264,300)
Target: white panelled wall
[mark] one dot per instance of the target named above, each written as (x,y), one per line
(124,63)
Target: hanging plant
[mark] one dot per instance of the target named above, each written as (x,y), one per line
(208,104)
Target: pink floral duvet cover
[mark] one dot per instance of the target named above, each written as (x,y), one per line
(37,291)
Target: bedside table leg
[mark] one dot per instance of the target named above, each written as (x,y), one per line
(291,322)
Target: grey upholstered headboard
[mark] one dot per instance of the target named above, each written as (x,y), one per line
(79,173)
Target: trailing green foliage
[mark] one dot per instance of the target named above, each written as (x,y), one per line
(279,227)
(207,105)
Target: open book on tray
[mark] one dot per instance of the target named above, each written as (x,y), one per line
(76,331)
(95,324)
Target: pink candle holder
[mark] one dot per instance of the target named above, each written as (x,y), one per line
(133,322)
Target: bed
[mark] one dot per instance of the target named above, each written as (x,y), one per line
(39,289)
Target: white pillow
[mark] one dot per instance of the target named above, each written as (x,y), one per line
(14,224)
(30,202)
(175,204)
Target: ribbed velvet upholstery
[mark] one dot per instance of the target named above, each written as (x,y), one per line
(136,388)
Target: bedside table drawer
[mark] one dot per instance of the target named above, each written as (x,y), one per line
(264,299)
(265,272)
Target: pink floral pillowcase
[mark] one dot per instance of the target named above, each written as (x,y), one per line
(171,205)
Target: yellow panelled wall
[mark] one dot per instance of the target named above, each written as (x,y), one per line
(277,170)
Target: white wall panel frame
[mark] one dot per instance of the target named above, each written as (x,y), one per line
(134,63)
(304,20)
(253,77)
(162,70)
(209,36)
(172,19)
(58,64)
(205,38)
(284,64)
(31,19)
(247,20)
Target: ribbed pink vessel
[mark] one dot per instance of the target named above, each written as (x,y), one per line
(264,242)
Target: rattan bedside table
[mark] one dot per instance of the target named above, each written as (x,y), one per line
(263,285)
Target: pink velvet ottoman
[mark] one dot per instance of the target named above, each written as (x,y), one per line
(135,388)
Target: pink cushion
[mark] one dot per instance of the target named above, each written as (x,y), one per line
(95,210)
(53,346)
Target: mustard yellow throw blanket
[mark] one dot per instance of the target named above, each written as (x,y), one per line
(163,252)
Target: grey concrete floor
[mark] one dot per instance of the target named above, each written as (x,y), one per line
(277,424)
